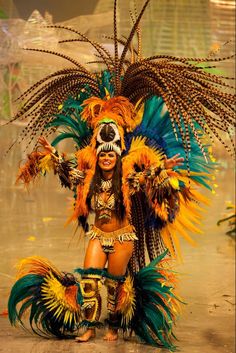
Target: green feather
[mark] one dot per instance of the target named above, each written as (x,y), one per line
(22,290)
(152,320)
(65,135)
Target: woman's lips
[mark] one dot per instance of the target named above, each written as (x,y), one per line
(106,163)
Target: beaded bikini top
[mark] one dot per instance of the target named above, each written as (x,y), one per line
(106,205)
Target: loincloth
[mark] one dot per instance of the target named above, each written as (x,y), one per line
(107,239)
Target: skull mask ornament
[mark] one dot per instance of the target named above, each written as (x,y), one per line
(108,138)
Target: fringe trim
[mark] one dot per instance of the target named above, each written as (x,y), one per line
(90,272)
(107,239)
(116,278)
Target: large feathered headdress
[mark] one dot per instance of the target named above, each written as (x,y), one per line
(195,99)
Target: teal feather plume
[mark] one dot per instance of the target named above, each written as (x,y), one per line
(156,125)
(23,289)
(66,135)
(105,83)
(70,120)
(69,117)
(65,121)
(153,317)
(28,295)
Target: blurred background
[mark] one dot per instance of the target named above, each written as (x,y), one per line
(32,221)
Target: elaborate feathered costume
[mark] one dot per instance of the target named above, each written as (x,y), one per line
(143,109)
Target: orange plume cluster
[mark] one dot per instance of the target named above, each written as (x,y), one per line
(170,279)
(29,171)
(119,109)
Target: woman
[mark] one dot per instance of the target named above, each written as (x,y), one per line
(123,119)
(112,236)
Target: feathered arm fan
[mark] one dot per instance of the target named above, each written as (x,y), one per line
(42,162)
(170,201)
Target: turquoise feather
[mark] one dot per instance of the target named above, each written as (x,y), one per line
(152,320)
(22,290)
(65,135)
(156,125)
(26,293)
(69,118)
(63,120)
(105,82)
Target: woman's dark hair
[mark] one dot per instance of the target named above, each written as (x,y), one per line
(116,187)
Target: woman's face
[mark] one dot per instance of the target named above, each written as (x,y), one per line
(107,160)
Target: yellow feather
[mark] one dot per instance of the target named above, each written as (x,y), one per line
(45,164)
(107,93)
(35,265)
(174,182)
(167,239)
(126,300)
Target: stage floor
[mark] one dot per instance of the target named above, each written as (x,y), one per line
(32,223)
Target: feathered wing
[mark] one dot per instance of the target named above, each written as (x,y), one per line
(196,173)
(167,205)
(51,297)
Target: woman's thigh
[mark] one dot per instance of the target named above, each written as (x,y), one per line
(94,256)
(118,261)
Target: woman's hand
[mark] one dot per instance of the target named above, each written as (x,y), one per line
(173,161)
(44,142)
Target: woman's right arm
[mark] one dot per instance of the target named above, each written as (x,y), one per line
(40,162)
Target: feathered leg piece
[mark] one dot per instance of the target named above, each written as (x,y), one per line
(113,284)
(90,284)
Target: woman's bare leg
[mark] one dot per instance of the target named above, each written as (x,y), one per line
(118,260)
(95,258)
(117,265)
